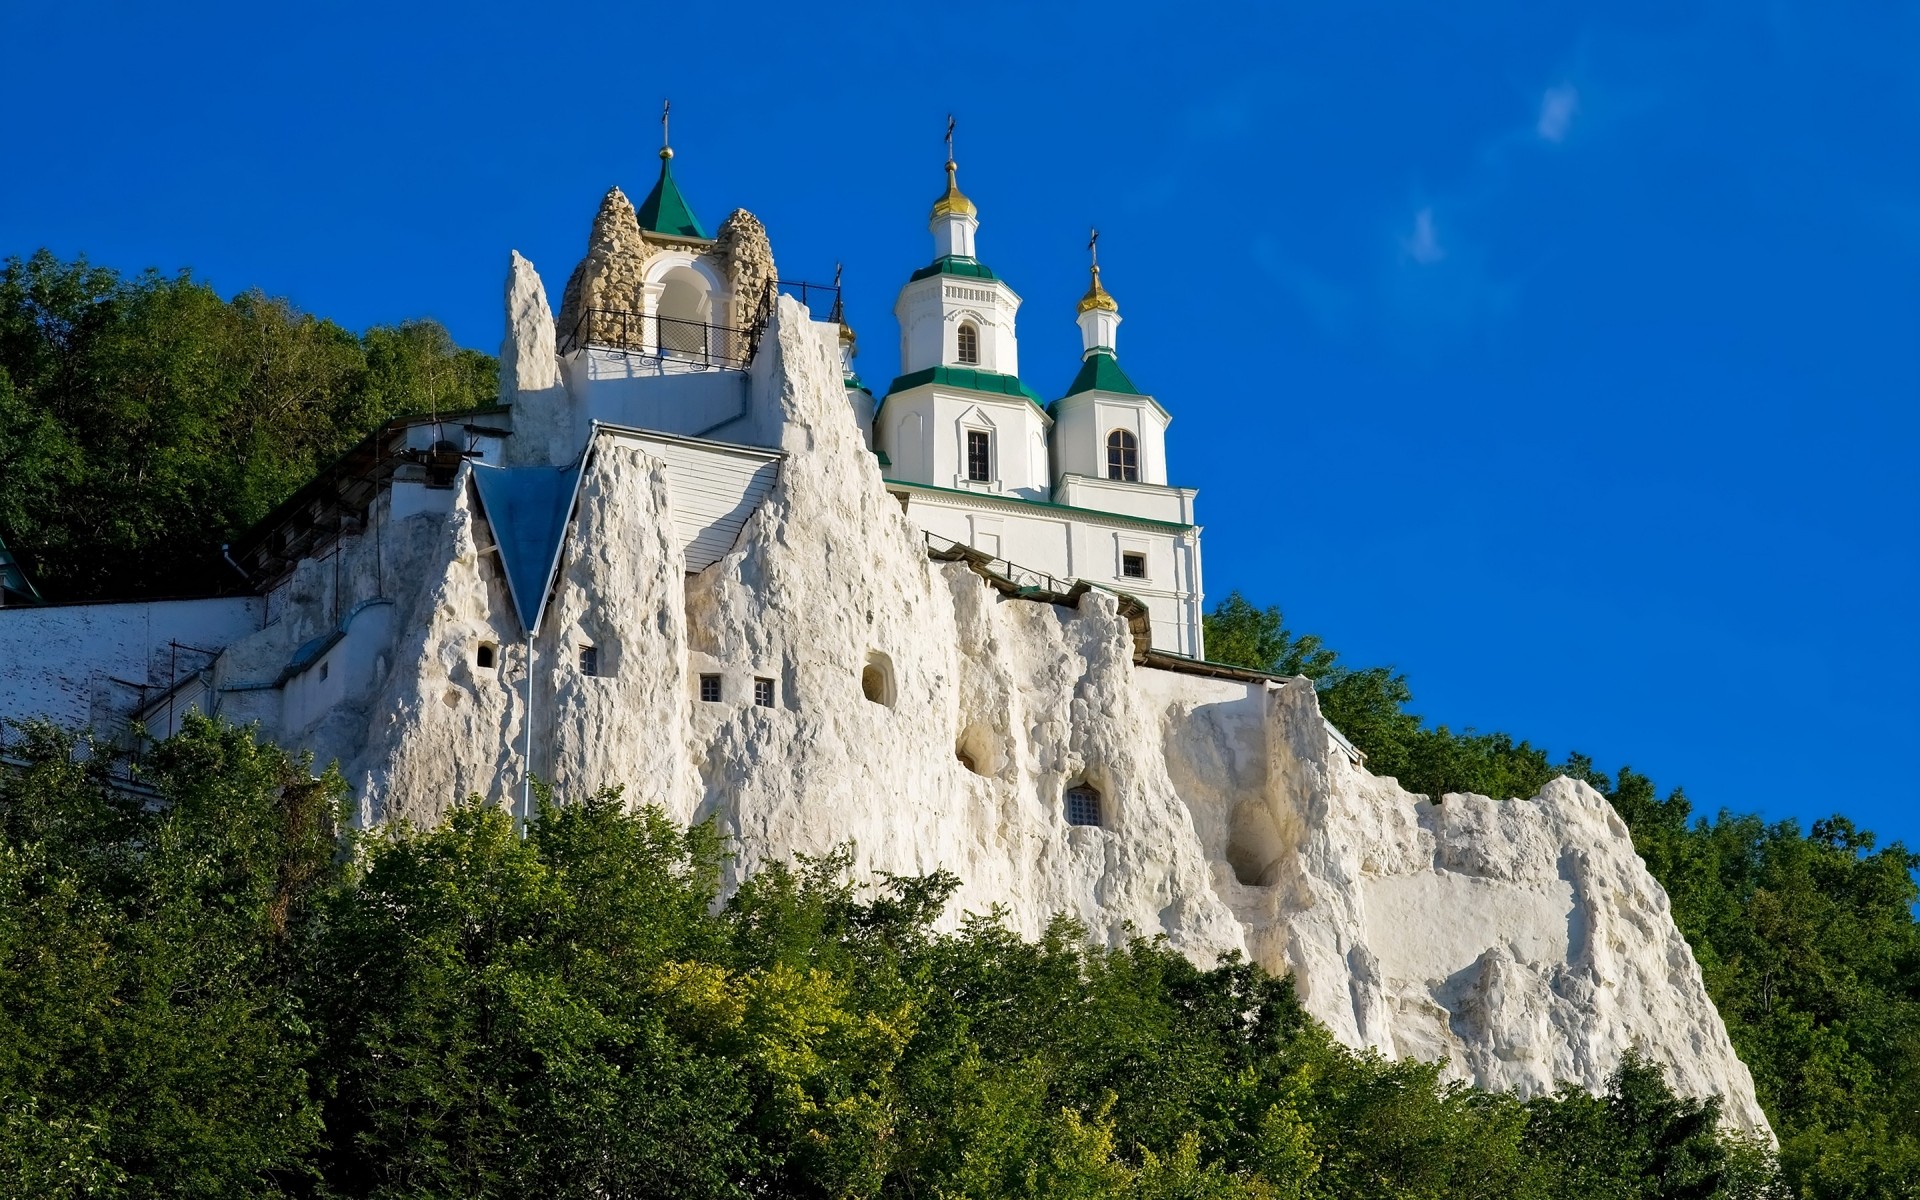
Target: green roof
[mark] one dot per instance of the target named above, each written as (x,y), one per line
(665,209)
(1100,373)
(1050,505)
(953,264)
(973,379)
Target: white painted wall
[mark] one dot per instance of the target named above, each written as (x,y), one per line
(347,672)
(930,312)
(1082,423)
(1151,501)
(712,489)
(79,664)
(1071,546)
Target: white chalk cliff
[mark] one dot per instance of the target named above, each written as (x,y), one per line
(1520,941)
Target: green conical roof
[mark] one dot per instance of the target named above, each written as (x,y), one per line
(1100,373)
(665,209)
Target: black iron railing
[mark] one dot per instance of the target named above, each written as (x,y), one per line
(696,343)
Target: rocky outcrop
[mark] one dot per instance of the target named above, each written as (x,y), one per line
(746,259)
(936,723)
(611,275)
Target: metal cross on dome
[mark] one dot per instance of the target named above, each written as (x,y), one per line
(949,137)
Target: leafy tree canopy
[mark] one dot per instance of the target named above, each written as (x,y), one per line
(212,990)
(145,421)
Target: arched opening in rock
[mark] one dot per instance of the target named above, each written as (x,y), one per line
(483,656)
(979,750)
(1084,805)
(876,679)
(1254,846)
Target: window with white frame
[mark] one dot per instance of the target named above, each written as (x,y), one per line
(1123,456)
(979,455)
(968,343)
(1133,565)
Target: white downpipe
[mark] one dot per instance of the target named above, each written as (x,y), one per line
(526,748)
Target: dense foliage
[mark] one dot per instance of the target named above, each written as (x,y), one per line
(145,421)
(1807,939)
(209,991)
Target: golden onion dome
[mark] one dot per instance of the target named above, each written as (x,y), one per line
(846,334)
(1097,297)
(955,202)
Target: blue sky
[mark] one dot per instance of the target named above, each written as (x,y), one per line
(1565,356)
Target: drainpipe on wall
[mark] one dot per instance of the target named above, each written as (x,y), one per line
(526,748)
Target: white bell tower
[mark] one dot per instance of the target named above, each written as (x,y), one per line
(959,416)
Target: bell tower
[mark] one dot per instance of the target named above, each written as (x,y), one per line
(959,416)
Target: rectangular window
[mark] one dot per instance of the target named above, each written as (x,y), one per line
(979,455)
(1083,806)
(1133,566)
(589,660)
(710,688)
(763,692)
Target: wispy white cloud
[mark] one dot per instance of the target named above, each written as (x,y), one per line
(1423,244)
(1558,104)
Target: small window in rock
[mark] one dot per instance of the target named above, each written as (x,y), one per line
(876,679)
(763,692)
(324,668)
(483,657)
(1083,805)
(710,688)
(589,660)
(1133,566)
(969,344)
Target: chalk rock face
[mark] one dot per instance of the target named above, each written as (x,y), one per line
(868,694)
(1522,942)
(530,372)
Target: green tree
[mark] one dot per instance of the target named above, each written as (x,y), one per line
(145,421)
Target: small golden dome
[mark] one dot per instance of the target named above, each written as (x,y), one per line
(954,203)
(1097,297)
(846,334)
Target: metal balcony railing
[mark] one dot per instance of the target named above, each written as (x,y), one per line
(695,343)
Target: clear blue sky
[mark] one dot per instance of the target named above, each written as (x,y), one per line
(1565,356)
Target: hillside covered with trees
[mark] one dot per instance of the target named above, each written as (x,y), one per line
(214,991)
(144,421)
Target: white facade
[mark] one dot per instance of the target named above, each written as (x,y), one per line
(1078,490)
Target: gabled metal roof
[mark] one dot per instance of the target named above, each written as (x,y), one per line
(528,509)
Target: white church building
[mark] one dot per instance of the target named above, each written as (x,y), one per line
(1077,488)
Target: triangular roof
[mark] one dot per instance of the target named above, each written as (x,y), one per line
(665,209)
(528,509)
(1100,373)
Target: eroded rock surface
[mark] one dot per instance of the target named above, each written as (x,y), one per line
(1521,942)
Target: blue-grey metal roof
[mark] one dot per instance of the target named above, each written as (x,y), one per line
(528,509)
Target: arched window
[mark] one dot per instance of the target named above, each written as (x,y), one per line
(1123,456)
(969,343)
